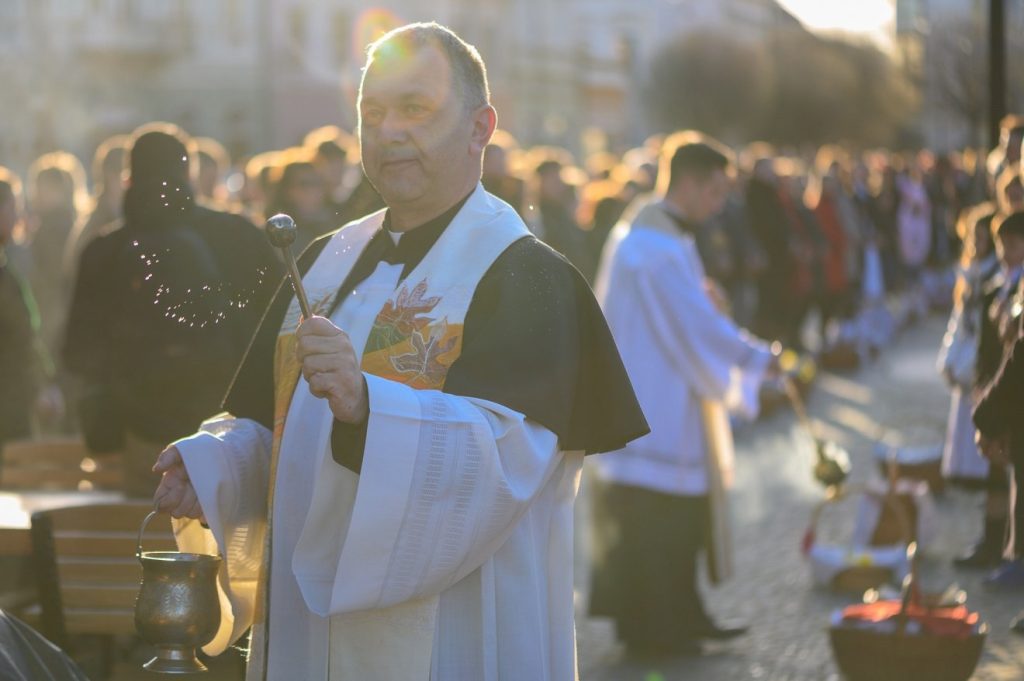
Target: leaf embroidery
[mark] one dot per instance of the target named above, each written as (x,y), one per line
(423,361)
(398,320)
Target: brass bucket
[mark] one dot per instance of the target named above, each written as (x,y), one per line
(178,608)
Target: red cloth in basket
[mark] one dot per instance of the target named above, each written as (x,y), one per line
(951,622)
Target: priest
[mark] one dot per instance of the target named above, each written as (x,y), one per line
(392,484)
(661,499)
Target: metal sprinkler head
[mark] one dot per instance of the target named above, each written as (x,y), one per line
(281,230)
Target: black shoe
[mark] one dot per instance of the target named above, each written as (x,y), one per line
(981,557)
(1017,624)
(712,632)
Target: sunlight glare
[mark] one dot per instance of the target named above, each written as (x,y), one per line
(870,18)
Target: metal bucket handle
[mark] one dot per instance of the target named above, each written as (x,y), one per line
(138,548)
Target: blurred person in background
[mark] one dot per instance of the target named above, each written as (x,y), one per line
(108,168)
(1001,434)
(770,227)
(212,162)
(57,200)
(661,500)
(162,311)
(24,365)
(805,248)
(835,297)
(498,178)
(837,165)
(605,202)
(885,203)
(962,463)
(1008,153)
(997,415)
(554,204)
(258,184)
(1010,192)
(946,191)
(913,223)
(996,300)
(300,192)
(335,156)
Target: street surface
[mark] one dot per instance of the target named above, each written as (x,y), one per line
(897,395)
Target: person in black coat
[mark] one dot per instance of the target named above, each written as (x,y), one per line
(163,307)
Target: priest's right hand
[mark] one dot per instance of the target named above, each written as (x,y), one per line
(175,494)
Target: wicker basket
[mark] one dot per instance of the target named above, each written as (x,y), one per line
(859,574)
(864,654)
(928,471)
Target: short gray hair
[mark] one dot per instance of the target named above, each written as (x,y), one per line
(466,63)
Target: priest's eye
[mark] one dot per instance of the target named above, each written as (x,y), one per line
(372,116)
(414,109)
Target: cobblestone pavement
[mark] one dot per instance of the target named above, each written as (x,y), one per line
(772,503)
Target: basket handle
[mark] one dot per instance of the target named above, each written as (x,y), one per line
(910,593)
(886,498)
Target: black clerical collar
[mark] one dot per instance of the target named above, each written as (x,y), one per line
(416,242)
(684,225)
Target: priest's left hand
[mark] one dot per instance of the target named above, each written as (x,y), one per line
(330,367)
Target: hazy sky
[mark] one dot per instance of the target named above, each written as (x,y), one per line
(869,18)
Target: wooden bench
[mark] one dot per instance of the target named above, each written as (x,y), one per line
(86,570)
(57,464)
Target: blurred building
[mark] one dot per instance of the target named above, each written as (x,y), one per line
(944,46)
(257,74)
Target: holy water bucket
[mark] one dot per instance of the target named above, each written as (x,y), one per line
(177,609)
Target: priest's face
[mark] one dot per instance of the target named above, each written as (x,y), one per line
(421,144)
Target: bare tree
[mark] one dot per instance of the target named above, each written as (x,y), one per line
(793,88)
(956,73)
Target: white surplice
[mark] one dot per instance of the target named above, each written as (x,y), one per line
(688,364)
(448,557)
(682,354)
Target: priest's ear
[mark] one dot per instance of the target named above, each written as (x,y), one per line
(484,120)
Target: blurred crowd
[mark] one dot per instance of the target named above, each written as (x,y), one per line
(808,239)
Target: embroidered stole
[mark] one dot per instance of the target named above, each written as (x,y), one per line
(415,337)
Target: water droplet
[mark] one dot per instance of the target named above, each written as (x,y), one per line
(135,243)
(149,276)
